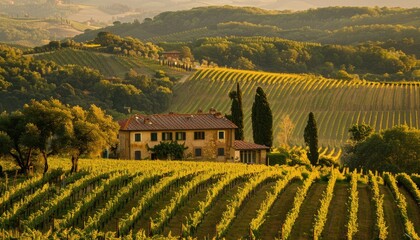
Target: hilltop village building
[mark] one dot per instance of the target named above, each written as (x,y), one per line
(207,136)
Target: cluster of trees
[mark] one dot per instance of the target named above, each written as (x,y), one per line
(392,150)
(109,43)
(368,61)
(137,92)
(129,46)
(48,127)
(23,78)
(262,127)
(56,45)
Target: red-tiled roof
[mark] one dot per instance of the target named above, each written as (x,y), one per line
(242,145)
(172,52)
(174,121)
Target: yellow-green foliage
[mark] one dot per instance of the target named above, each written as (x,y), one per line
(336,104)
(378,199)
(406,181)
(292,215)
(321,216)
(402,205)
(352,226)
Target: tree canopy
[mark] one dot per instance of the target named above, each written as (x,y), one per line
(237,115)
(48,127)
(311,139)
(393,150)
(262,119)
(22,78)
(359,132)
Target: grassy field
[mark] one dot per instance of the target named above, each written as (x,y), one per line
(109,65)
(199,199)
(336,104)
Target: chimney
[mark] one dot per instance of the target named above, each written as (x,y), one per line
(212,110)
(218,115)
(199,110)
(147,121)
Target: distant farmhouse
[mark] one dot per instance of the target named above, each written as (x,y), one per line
(208,136)
(173,55)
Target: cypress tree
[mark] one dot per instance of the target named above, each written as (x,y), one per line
(311,139)
(237,115)
(262,119)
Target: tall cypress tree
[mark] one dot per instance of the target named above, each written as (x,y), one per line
(311,139)
(237,115)
(262,119)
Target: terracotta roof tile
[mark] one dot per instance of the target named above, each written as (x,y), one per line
(173,121)
(242,145)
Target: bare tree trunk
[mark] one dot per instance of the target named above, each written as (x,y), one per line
(74,164)
(28,162)
(45,162)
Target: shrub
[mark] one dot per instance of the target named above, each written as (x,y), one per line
(277,158)
(298,157)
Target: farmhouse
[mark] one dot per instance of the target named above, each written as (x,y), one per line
(207,136)
(174,55)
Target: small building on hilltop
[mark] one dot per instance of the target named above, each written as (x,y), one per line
(171,55)
(207,136)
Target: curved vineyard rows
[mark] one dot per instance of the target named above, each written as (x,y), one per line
(109,65)
(93,202)
(336,104)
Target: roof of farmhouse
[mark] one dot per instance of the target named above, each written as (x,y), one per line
(176,121)
(242,145)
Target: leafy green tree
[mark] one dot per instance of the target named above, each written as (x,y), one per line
(172,149)
(237,115)
(359,132)
(17,139)
(393,150)
(243,63)
(311,139)
(262,119)
(186,53)
(47,120)
(92,132)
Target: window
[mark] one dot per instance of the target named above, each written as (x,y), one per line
(248,156)
(137,137)
(197,152)
(199,135)
(221,135)
(220,152)
(180,136)
(153,137)
(166,136)
(137,155)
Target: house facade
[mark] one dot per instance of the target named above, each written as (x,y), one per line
(207,136)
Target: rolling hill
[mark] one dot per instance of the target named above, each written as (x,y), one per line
(116,198)
(336,104)
(338,25)
(110,65)
(35,31)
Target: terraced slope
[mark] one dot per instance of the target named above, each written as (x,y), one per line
(336,104)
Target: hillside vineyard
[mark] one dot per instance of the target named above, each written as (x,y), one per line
(336,104)
(207,200)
